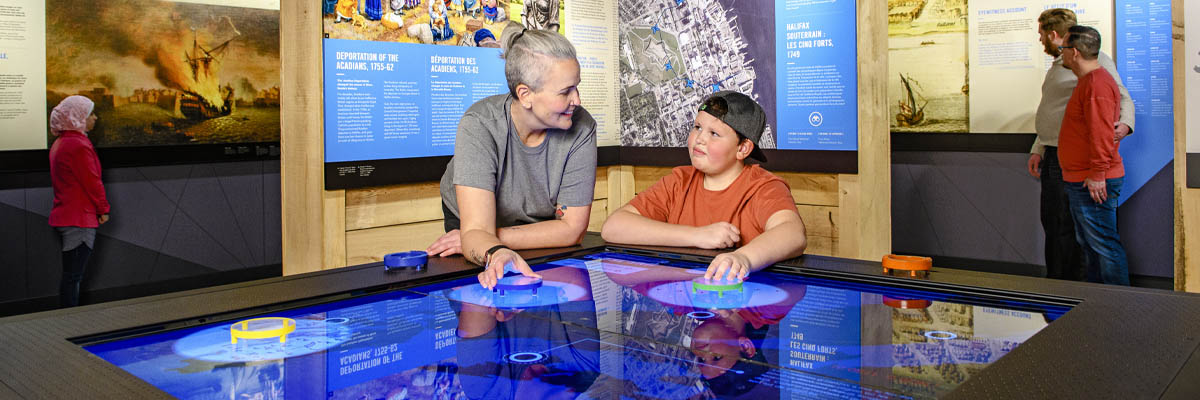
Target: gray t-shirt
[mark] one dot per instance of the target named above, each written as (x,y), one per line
(528,181)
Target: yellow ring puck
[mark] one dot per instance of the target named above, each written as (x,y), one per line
(287,326)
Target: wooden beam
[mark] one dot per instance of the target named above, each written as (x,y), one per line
(333,229)
(1187,201)
(872,204)
(302,145)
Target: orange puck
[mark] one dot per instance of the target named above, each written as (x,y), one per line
(906,304)
(906,263)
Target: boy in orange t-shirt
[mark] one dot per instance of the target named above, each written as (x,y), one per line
(719,201)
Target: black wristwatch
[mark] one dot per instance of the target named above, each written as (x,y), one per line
(493,250)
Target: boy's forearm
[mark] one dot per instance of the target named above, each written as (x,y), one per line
(629,228)
(788,240)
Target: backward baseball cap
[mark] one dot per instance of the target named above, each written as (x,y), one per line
(741,113)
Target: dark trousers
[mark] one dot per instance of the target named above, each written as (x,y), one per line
(74,264)
(1064,256)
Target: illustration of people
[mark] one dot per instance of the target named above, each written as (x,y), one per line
(345,10)
(479,38)
(485,38)
(541,14)
(490,11)
(471,7)
(439,21)
(397,6)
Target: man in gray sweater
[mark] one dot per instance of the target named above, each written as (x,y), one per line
(1064,257)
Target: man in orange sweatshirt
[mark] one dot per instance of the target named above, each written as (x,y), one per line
(1091,165)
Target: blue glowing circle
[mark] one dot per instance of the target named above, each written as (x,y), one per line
(701,315)
(525,357)
(310,336)
(752,295)
(550,293)
(337,320)
(941,335)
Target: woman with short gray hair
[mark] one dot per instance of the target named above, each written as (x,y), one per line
(524,164)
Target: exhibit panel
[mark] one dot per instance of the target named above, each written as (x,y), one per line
(1007,63)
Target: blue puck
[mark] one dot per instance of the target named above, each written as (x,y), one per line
(408,259)
(518,282)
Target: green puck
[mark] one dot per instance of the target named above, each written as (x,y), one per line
(720,286)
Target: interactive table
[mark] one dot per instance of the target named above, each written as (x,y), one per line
(611,322)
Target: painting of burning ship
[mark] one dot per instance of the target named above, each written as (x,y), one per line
(164,73)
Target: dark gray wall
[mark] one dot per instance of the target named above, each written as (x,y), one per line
(985,206)
(168,222)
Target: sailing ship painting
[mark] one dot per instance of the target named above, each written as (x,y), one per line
(927,57)
(205,66)
(164,72)
(911,113)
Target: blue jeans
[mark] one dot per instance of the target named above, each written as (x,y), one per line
(1096,232)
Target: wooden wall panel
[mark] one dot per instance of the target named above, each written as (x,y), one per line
(601,191)
(813,189)
(370,245)
(599,215)
(848,214)
(819,220)
(393,205)
(821,246)
(620,187)
(644,177)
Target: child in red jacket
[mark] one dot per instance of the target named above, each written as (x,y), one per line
(80,205)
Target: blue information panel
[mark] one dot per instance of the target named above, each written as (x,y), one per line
(388,100)
(817,74)
(1143,47)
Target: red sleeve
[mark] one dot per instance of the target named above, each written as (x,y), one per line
(772,197)
(1099,112)
(655,201)
(86,167)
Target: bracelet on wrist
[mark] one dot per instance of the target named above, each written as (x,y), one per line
(488,254)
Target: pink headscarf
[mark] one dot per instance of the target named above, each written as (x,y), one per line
(71,115)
